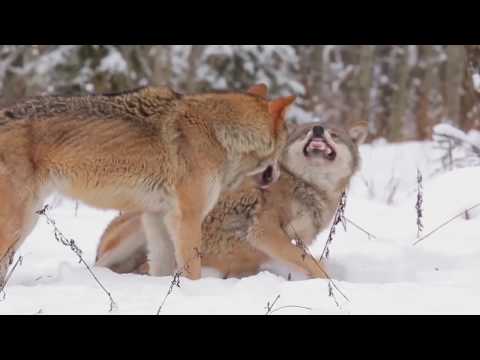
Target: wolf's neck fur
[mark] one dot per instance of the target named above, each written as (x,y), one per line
(325,184)
(319,197)
(234,136)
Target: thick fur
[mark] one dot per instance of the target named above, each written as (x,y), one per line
(151,150)
(249,227)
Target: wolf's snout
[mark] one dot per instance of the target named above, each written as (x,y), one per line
(320,144)
(318,131)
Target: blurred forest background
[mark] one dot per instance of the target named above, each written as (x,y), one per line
(403,91)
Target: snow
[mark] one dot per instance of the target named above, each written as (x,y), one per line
(449,130)
(113,63)
(476,81)
(384,274)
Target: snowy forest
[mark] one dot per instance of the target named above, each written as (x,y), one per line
(403,239)
(403,91)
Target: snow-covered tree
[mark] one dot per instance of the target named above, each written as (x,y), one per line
(402,90)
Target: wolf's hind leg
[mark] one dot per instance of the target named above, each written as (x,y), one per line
(122,247)
(18,207)
(161,251)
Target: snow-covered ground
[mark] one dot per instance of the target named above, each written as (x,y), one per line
(380,275)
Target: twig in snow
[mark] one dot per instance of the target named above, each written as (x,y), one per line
(271,310)
(339,218)
(70,243)
(358,227)
(419,204)
(466,152)
(9,275)
(175,282)
(445,224)
(269,306)
(306,252)
(176,279)
(331,294)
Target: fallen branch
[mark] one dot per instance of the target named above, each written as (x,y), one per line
(70,243)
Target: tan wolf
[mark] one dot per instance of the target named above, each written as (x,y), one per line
(251,226)
(151,150)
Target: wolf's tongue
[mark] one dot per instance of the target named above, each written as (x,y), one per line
(318,144)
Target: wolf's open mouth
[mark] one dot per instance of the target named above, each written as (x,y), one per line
(319,147)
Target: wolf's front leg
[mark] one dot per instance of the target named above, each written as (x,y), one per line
(272,240)
(161,252)
(195,199)
(185,231)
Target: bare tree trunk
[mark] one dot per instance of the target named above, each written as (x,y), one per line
(426,75)
(399,100)
(307,74)
(364,81)
(14,85)
(384,91)
(473,55)
(162,65)
(194,58)
(454,77)
(470,103)
(317,71)
(325,69)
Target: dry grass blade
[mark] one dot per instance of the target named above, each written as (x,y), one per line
(290,307)
(70,243)
(270,307)
(446,223)
(358,227)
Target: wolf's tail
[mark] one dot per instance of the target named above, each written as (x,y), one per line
(122,246)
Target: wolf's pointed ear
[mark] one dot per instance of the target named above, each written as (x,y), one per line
(278,108)
(260,90)
(359,132)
